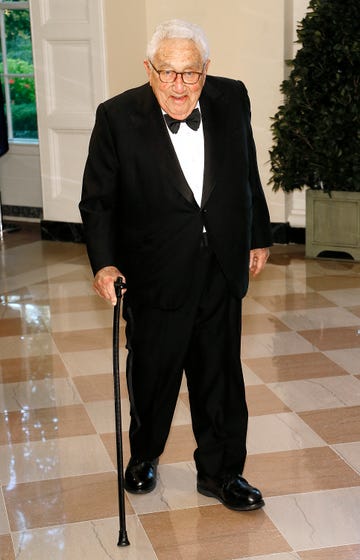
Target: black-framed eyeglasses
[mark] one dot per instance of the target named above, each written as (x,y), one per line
(169,76)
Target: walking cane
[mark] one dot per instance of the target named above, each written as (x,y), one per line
(123,539)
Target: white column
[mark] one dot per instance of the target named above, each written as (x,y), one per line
(295,12)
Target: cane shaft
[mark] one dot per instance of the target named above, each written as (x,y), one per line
(123,539)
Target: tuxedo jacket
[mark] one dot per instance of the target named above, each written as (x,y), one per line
(138,211)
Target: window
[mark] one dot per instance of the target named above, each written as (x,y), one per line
(17,70)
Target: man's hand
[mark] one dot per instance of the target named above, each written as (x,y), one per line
(258,258)
(104,283)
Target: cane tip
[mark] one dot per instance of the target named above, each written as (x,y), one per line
(123,540)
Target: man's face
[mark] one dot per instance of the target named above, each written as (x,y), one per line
(177,99)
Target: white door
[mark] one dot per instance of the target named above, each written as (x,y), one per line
(69,60)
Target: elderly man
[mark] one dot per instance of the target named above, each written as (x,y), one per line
(172,203)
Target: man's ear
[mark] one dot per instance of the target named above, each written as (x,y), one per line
(147,68)
(207,63)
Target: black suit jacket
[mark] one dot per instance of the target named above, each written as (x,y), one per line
(140,214)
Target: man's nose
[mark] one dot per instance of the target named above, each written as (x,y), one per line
(178,83)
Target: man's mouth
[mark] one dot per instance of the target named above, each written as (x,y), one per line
(180,98)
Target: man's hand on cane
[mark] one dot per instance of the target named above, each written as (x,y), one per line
(104,283)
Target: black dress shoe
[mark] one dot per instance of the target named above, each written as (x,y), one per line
(233,491)
(140,475)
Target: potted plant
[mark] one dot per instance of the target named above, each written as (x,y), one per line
(316,132)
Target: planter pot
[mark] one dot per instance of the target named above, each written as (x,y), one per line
(333,223)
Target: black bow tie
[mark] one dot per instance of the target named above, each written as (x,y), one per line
(193,121)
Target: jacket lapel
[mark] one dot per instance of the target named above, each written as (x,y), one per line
(212,138)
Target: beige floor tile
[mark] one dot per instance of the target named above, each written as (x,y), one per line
(345,298)
(175,489)
(270,272)
(325,317)
(350,452)
(56,458)
(333,338)
(280,432)
(338,425)
(262,323)
(80,340)
(180,445)
(6,548)
(348,358)
(182,411)
(320,393)
(55,251)
(278,556)
(299,471)
(184,398)
(79,274)
(46,393)
(95,540)
(99,387)
(109,441)
(294,366)
(317,520)
(92,362)
(102,415)
(58,289)
(261,400)
(13,370)
(67,500)
(211,532)
(333,282)
(81,320)
(27,345)
(291,301)
(280,343)
(355,310)
(38,277)
(250,306)
(71,304)
(249,376)
(4,521)
(44,424)
(277,287)
(350,552)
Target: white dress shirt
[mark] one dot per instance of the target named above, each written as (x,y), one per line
(189,148)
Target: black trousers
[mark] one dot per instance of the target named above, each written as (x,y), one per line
(201,338)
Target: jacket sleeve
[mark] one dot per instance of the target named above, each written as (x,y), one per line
(99,194)
(261,235)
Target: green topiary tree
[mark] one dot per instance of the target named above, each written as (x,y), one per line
(316,132)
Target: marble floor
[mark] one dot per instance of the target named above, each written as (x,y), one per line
(301,357)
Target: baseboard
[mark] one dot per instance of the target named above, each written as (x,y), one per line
(283,234)
(21,213)
(62,231)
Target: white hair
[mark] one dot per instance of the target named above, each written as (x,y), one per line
(178,29)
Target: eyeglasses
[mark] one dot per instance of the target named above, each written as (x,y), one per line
(169,76)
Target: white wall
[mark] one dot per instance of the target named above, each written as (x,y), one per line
(246,42)
(20,182)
